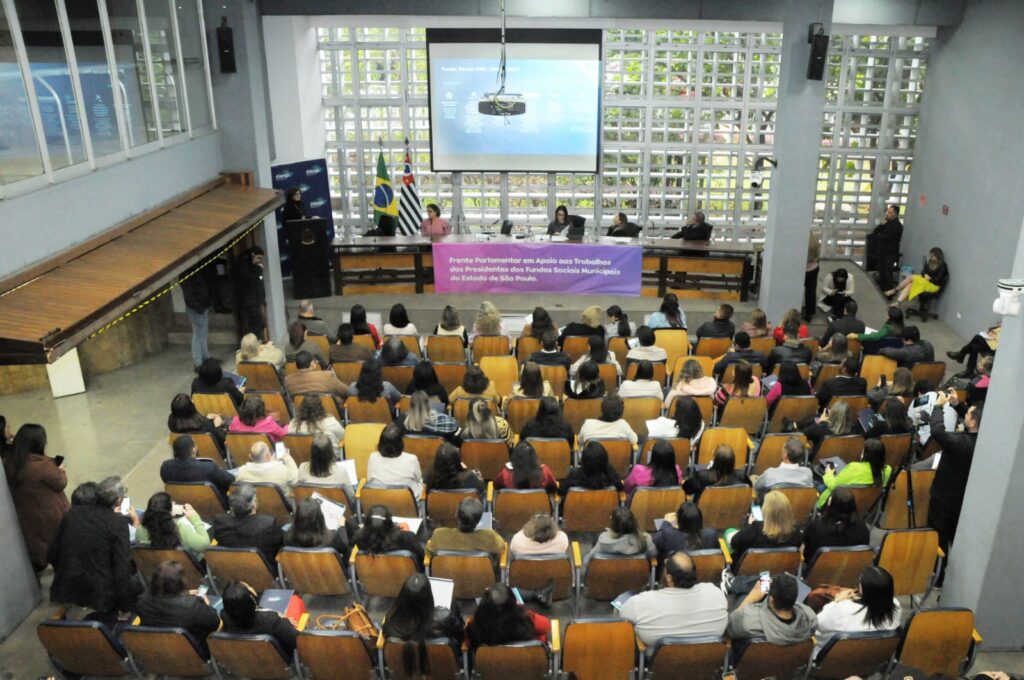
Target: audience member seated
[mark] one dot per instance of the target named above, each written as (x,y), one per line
(915,349)
(531,385)
(309,530)
(211,380)
(835,352)
(932,278)
(37,484)
(740,351)
(91,556)
(720,325)
(449,472)
(926,397)
(311,378)
(789,384)
(550,354)
(398,322)
(252,350)
(395,353)
(185,467)
(482,423)
(684,530)
(836,292)
(775,617)
(669,315)
(451,324)
(845,384)
(169,525)
(360,326)
(539,536)
(757,326)
(185,419)
(593,472)
(688,423)
(588,383)
(791,349)
(894,420)
(488,322)
(311,418)
(838,525)
(901,387)
(890,333)
(692,383)
(661,470)
(744,384)
(721,472)
(622,227)
(313,323)
(242,614)
(422,419)
(833,422)
(252,417)
(846,324)
(323,468)
(168,604)
(371,385)
(870,470)
(465,536)
(264,467)
(647,350)
(524,472)
(475,384)
(424,378)
(622,537)
(540,323)
(347,349)
(643,383)
(684,607)
(413,619)
(778,529)
(982,344)
(500,620)
(790,318)
(242,527)
(598,353)
(619,325)
(977,388)
(298,341)
(379,534)
(389,464)
(791,472)
(868,608)
(588,325)
(610,425)
(549,423)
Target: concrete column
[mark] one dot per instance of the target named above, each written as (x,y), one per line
(797,138)
(984,567)
(20,593)
(293,71)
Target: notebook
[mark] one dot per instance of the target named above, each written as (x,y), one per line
(408,523)
(443,590)
(486,521)
(623,599)
(334,513)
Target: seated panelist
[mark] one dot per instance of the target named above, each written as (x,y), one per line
(561,221)
(623,227)
(696,229)
(435,225)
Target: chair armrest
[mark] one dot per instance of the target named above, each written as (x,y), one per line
(976,636)
(622,498)
(426,560)
(556,636)
(490,494)
(213,542)
(640,644)
(303,621)
(941,553)
(725,551)
(503,559)
(137,621)
(60,614)
(577,560)
(355,551)
(359,489)
(380,640)
(750,446)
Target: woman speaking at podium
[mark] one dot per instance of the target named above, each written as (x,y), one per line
(434,225)
(293,208)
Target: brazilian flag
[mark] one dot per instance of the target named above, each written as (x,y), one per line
(384,200)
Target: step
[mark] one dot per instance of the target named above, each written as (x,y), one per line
(214,337)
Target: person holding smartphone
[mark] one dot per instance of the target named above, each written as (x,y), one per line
(770,611)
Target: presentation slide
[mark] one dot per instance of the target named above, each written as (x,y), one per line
(560,85)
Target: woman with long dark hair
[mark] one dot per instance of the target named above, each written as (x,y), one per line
(593,472)
(684,530)
(836,291)
(413,619)
(523,471)
(789,384)
(398,322)
(669,315)
(379,534)
(424,378)
(185,419)
(169,525)
(598,353)
(622,537)
(619,325)
(660,471)
(892,328)
(371,385)
(721,472)
(211,380)
(309,530)
(323,468)
(357,317)
(531,385)
(548,423)
(449,472)
(242,614)
(37,484)
(500,620)
(540,323)
(587,384)
(872,606)
(838,525)
(744,384)
(870,470)
(475,383)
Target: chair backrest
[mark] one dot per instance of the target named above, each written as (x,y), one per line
(705,404)
(450,375)
(608,576)
(274,404)
(240,564)
(575,411)
(444,665)
(207,447)
(326,400)
(403,404)
(411,342)
(299,446)
(653,502)
(523,660)
(525,346)
(712,347)
(735,437)
(841,566)
(707,366)
(165,651)
(909,555)
(680,445)
(147,559)
(588,510)
(442,504)
(875,366)
(729,375)
(771,451)
(896,448)
(382,574)
(239,444)
(215,403)
(855,347)
(685,658)
(812,344)
(804,369)
(259,375)
(849,447)
(490,346)
(331,492)
(865,497)
(620,455)
(203,496)
(610,375)
(446,348)
(773,560)
(638,410)
(802,499)
(747,413)
(896,515)
(329,654)
(399,376)
(471,571)
(519,411)
(937,641)
(599,649)
(709,564)
(347,371)
(271,500)
(486,455)
(724,506)
(259,657)
(322,344)
(361,440)
(576,346)
(674,341)
(83,647)
(365,340)
(660,371)
(424,447)
(514,507)
(397,498)
(376,411)
(855,403)
(503,372)
(792,408)
(534,572)
(313,571)
(554,453)
(850,654)
(762,659)
(619,346)
(290,367)
(932,371)
(763,345)
(826,372)
(556,377)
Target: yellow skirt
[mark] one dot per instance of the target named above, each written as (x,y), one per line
(919,284)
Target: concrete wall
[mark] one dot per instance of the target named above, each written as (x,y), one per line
(970,157)
(293,70)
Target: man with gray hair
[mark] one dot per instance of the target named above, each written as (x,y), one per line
(241,527)
(466,535)
(313,323)
(791,472)
(264,466)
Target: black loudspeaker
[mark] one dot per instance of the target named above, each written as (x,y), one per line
(310,255)
(226,49)
(819,53)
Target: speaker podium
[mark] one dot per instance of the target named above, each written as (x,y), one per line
(310,254)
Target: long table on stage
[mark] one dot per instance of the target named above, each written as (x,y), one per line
(690,269)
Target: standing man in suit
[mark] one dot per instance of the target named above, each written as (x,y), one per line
(886,237)
(250,294)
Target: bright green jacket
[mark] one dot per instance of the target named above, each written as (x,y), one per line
(884,332)
(854,474)
(191,532)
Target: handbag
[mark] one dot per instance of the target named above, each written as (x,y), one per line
(354,619)
(821,596)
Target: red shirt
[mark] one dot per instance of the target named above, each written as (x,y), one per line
(506,480)
(779,337)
